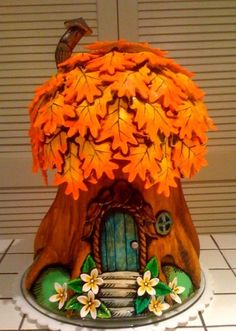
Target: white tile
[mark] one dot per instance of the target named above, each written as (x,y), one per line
(6,288)
(22,246)
(226,240)
(222,328)
(221,311)
(4,244)
(212,259)
(31,325)
(195,322)
(230,256)
(16,262)
(224,281)
(186,329)
(206,242)
(10,318)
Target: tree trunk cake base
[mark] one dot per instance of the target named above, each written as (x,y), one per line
(121,124)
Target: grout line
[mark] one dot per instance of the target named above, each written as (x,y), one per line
(5,253)
(223,255)
(21,323)
(202,320)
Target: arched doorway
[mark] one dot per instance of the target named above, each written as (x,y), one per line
(119,242)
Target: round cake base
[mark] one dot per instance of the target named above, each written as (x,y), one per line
(178,315)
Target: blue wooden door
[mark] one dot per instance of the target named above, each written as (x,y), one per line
(119,243)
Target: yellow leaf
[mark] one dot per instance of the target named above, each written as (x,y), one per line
(118,125)
(72,174)
(96,157)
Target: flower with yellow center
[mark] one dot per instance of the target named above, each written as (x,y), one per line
(176,290)
(157,305)
(146,284)
(90,305)
(92,281)
(61,295)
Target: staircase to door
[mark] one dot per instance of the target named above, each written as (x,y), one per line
(119,291)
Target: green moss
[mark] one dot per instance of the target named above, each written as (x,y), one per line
(182,280)
(43,288)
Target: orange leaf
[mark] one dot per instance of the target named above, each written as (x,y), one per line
(77,59)
(54,148)
(37,143)
(193,120)
(153,60)
(128,83)
(87,116)
(188,156)
(82,85)
(122,46)
(72,175)
(165,91)
(97,158)
(153,117)
(166,176)
(118,125)
(186,85)
(142,159)
(111,62)
(52,115)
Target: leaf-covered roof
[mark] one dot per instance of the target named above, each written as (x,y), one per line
(119,101)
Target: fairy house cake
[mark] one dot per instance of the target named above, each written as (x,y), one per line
(121,124)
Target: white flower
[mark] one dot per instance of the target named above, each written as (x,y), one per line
(146,284)
(61,295)
(157,305)
(92,281)
(90,305)
(176,290)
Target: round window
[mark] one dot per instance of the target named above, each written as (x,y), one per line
(164,223)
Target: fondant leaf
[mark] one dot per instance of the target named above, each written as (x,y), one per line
(82,85)
(141,303)
(112,62)
(73,304)
(143,160)
(118,125)
(162,289)
(153,267)
(103,312)
(89,265)
(76,285)
(72,174)
(151,117)
(96,158)
(52,115)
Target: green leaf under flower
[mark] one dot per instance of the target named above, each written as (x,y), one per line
(76,285)
(103,312)
(89,265)
(141,303)
(162,289)
(73,304)
(152,266)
